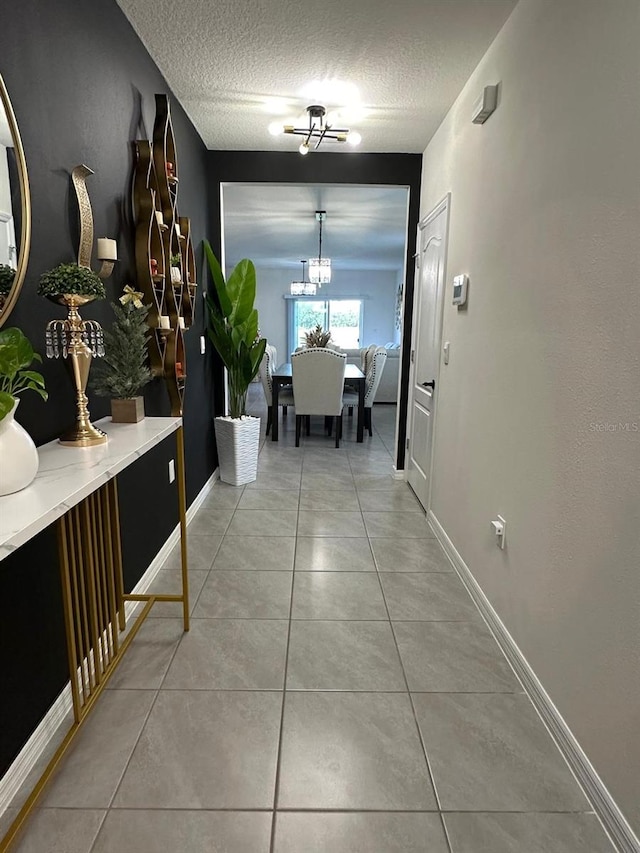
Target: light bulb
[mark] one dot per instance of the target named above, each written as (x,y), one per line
(354,138)
(304,148)
(275,128)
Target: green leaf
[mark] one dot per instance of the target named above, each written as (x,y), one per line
(36,378)
(241,288)
(218,280)
(6,404)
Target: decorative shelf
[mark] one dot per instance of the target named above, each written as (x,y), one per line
(162,234)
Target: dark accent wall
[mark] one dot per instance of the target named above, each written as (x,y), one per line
(82,87)
(329,168)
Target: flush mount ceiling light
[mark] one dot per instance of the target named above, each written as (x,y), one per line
(320,268)
(303,288)
(319,128)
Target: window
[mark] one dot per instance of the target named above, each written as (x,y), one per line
(343,318)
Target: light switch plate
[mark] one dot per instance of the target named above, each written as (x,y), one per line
(203,345)
(172,470)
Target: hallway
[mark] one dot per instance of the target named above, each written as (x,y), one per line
(336,670)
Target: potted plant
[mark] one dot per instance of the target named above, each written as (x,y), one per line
(124,371)
(18,454)
(7,275)
(176,272)
(233,329)
(67,280)
(317,337)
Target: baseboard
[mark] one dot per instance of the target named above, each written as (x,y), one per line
(605,807)
(26,759)
(398,473)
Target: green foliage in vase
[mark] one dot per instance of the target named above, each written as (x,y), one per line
(16,355)
(7,275)
(233,327)
(175,260)
(71,278)
(317,337)
(124,371)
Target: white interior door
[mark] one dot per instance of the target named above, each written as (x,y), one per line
(425,353)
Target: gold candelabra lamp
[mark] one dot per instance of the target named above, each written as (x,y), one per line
(76,340)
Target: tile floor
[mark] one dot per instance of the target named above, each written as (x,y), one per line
(337,692)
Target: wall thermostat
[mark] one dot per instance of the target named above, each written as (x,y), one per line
(460,283)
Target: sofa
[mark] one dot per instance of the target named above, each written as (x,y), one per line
(388,388)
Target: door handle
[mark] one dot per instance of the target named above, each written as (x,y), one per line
(431,384)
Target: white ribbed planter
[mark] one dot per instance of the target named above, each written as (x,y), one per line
(19,458)
(238,441)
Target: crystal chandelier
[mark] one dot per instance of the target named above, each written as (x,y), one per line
(303,288)
(320,268)
(319,129)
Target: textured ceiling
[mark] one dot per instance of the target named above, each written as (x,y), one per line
(225,60)
(275,225)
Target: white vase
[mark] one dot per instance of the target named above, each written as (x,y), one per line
(18,455)
(238,442)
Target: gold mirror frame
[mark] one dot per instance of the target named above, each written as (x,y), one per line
(25,235)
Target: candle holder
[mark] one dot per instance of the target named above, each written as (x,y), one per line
(77,341)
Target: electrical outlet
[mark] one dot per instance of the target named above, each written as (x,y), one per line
(172,470)
(203,345)
(500,530)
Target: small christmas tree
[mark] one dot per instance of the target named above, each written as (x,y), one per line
(123,371)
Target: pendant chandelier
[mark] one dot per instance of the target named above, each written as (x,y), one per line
(320,268)
(303,288)
(319,129)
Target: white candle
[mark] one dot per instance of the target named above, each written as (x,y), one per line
(164,322)
(178,229)
(107,249)
(159,217)
(181,322)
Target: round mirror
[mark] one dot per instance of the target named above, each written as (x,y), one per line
(15,208)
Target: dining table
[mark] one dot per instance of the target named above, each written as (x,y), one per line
(283,375)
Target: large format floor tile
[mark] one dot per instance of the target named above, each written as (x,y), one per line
(491,752)
(352,751)
(353,832)
(147,659)
(330,524)
(265,499)
(168,582)
(245,595)
(205,750)
(94,766)
(343,656)
(526,833)
(410,555)
(427,596)
(390,501)
(230,654)
(251,553)
(282,479)
(263,522)
(337,595)
(60,831)
(453,657)
(336,501)
(155,831)
(333,554)
(400,525)
(201,551)
(210,522)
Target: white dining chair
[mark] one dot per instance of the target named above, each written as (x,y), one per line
(374,359)
(318,385)
(285,395)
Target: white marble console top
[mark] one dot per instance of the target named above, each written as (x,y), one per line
(68,474)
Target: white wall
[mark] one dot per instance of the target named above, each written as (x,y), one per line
(545,219)
(377,289)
